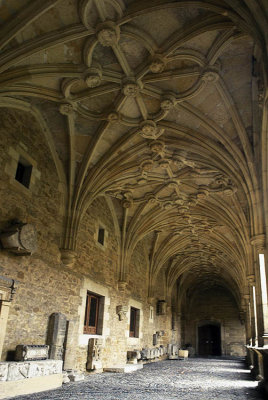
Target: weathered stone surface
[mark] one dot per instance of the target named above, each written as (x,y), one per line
(56,335)
(18,370)
(3,371)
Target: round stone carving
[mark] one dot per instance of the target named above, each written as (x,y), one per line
(157,65)
(157,146)
(164,163)
(147,165)
(28,238)
(113,117)
(126,203)
(93,80)
(66,109)
(210,76)
(149,130)
(20,239)
(108,37)
(131,89)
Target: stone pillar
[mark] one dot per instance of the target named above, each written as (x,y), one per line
(251,283)
(56,335)
(248,318)
(71,344)
(258,243)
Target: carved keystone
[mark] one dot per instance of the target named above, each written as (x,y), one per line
(210,75)
(157,65)
(66,109)
(108,33)
(157,147)
(168,102)
(131,89)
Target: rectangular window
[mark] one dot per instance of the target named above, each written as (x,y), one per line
(134,322)
(101,236)
(92,314)
(23,172)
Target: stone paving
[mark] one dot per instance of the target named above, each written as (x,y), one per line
(195,378)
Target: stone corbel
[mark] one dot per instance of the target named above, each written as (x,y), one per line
(122,312)
(258,241)
(68,257)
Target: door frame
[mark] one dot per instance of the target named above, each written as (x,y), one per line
(217,323)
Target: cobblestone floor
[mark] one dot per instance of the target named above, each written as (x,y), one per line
(196,378)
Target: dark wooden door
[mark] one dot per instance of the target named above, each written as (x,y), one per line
(209,340)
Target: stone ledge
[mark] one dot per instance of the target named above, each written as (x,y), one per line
(29,385)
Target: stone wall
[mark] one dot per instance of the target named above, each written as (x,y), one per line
(216,306)
(45,285)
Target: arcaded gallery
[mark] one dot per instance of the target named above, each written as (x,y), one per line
(133,188)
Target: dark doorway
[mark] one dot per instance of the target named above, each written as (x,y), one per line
(209,340)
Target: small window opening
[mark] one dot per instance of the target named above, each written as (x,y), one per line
(134,322)
(24,172)
(101,236)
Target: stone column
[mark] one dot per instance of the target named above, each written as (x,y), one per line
(251,283)
(258,243)
(246,298)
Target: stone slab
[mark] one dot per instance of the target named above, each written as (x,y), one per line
(124,368)
(30,385)
(183,353)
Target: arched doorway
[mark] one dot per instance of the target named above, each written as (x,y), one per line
(209,340)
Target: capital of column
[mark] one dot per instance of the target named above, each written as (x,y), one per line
(251,279)
(258,241)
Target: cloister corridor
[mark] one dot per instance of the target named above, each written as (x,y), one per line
(192,379)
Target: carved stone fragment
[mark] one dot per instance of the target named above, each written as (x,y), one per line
(3,371)
(31,352)
(131,89)
(18,370)
(66,109)
(94,354)
(56,335)
(20,239)
(157,65)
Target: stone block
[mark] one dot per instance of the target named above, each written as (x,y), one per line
(183,353)
(132,356)
(127,368)
(3,371)
(31,352)
(145,354)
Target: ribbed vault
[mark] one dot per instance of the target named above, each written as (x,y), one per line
(154,105)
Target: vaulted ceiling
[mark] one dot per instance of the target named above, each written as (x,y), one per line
(156,105)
